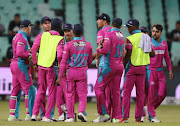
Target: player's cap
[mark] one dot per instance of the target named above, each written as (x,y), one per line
(117,22)
(67,27)
(132,22)
(144,29)
(104,16)
(56,22)
(78,29)
(44,19)
(26,23)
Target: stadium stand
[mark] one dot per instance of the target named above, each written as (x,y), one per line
(73,12)
(105,6)
(172,6)
(55,4)
(89,21)
(156,14)
(139,12)
(122,5)
(4,45)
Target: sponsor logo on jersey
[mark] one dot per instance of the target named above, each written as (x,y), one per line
(159,51)
(79,43)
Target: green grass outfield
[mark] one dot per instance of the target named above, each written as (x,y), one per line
(169,115)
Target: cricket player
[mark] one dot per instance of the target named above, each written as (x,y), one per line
(145,112)
(46,26)
(157,80)
(144,30)
(61,89)
(138,46)
(103,22)
(20,68)
(46,75)
(110,74)
(79,54)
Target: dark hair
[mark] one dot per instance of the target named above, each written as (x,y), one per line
(37,22)
(159,27)
(116,26)
(58,29)
(17,15)
(178,22)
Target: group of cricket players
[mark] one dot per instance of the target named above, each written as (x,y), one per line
(62,64)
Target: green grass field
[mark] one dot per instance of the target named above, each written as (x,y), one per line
(169,115)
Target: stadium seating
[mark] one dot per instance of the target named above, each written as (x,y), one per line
(175,51)
(139,12)
(122,11)
(172,7)
(156,14)
(72,11)
(3,47)
(55,4)
(105,6)
(89,21)
(35,9)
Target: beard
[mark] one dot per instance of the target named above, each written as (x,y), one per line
(155,38)
(68,38)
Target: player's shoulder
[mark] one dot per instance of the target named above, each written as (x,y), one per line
(100,32)
(19,37)
(38,36)
(164,43)
(62,42)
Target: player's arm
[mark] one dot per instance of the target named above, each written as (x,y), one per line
(34,49)
(63,64)
(106,45)
(21,51)
(128,48)
(90,57)
(168,62)
(152,53)
(100,36)
(64,60)
(60,49)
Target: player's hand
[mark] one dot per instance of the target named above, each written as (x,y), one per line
(99,47)
(101,41)
(98,55)
(170,75)
(58,81)
(65,73)
(35,67)
(97,63)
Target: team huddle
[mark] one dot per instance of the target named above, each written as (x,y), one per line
(62,64)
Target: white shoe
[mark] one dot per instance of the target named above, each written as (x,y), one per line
(27,118)
(155,120)
(34,118)
(12,118)
(70,120)
(146,111)
(44,119)
(53,119)
(61,117)
(64,108)
(143,118)
(82,117)
(97,119)
(104,118)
